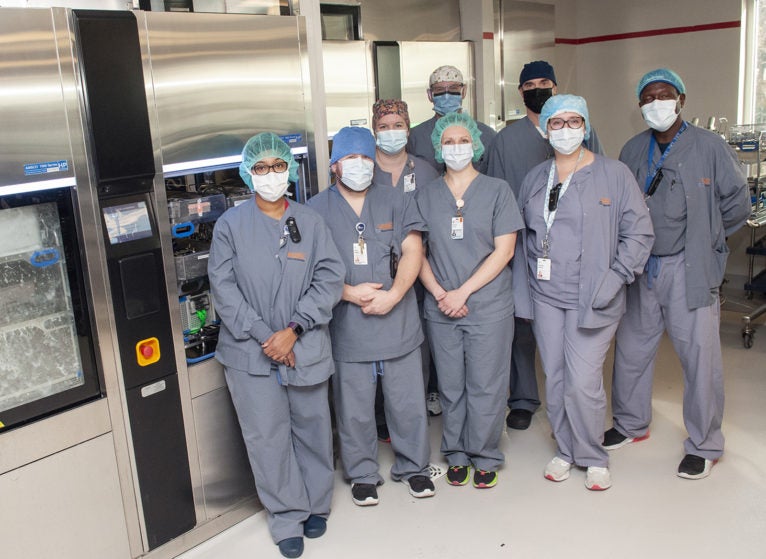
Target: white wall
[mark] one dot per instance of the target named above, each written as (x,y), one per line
(606,73)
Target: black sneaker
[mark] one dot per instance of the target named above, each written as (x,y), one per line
(613,439)
(364,494)
(483,479)
(420,486)
(291,547)
(458,475)
(383,434)
(519,419)
(695,467)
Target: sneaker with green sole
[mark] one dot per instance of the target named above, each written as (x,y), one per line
(458,475)
(483,479)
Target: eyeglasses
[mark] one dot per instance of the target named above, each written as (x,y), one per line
(558,123)
(263,169)
(553,199)
(453,90)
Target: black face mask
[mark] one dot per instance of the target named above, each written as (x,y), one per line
(534,99)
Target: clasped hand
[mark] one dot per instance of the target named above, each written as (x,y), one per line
(373,299)
(452,303)
(279,347)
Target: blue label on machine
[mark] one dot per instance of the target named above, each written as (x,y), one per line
(292,139)
(48,167)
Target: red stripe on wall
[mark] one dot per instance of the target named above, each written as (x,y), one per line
(650,33)
(488,35)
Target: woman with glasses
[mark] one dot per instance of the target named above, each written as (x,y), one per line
(588,233)
(276,275)
(472,222)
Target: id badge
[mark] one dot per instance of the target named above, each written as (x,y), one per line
(360,254)
(409,182)
(544,269)
(457,228)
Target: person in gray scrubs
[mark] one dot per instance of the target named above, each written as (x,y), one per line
(518,148)
(403,171)
(697,195)
(394,165)
(472,222)
(375,329)
(446,90)
(588,233)
(276,275)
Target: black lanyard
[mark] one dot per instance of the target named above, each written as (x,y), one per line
(650,174)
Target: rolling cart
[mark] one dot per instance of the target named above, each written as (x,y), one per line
(749,142)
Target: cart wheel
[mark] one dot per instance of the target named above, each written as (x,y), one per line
(747,339)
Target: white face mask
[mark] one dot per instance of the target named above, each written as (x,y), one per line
(271,186)
(356,173)
(457,156)
(391,141)
(660,115)
(566,140)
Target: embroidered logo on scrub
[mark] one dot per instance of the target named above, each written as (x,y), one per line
(385,226)
(297,256)
(706,181)
(605,201)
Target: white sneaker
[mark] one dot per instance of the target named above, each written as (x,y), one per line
(557,469)
(598,479)
(433,404)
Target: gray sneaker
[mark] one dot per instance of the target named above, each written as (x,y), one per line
(433,404)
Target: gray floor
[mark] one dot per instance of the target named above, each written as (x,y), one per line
(648,513)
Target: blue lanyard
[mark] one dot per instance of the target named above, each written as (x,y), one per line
(652,142)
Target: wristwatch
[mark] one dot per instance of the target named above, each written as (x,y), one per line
(297,328)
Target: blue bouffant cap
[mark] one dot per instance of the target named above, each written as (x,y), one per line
(536,70)
(559,104)
(352,139)
(664,75)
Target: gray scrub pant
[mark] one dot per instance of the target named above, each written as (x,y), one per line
(354,387)
(695,337)
(288,436)
(573,361)
(472,363)
(524,394)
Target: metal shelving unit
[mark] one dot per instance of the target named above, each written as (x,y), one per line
(749,142)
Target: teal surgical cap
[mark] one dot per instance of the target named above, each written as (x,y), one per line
(559,104)
(456,119)
(664,75)
(261,146)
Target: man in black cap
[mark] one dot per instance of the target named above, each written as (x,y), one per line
(516,149)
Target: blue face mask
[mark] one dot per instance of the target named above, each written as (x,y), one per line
(391,141)
(447,103)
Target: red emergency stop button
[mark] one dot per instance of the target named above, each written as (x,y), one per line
(148,351)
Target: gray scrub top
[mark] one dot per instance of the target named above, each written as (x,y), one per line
(667,207)
(615,240)
(388,218)
(519,147)
(563,289)
(261,281)
(420,170)
(490,211)
(420,143)
(717,202)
